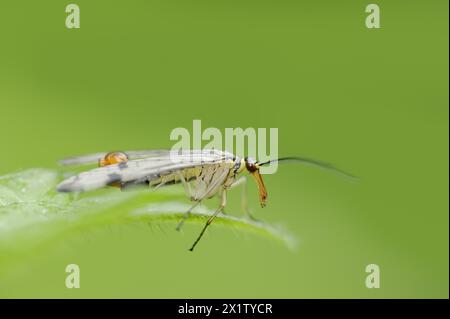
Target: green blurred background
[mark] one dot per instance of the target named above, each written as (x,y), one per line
(373,102)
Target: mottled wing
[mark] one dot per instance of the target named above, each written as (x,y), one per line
(142,170)
(94,158)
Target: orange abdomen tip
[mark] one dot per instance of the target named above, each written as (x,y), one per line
(113,158)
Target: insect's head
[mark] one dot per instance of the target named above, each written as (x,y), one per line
(252,167)
(113,158)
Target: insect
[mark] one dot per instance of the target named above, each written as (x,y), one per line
(203,173)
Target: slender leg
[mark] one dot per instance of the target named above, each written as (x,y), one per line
(211,218)
(241,180)
(220,200)
(198,199)
(186,185)
(188,190)
(186,215)
(244,202)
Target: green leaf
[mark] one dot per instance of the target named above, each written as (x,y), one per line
(33,215)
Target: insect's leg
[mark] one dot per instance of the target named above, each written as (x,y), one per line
(213,186)
(158,186)
(187,186)
(188,190)
(241,180)
(211,218)
(219,194)
(186,215)
(244,199)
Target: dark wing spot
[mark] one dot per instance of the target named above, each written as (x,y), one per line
(114,178)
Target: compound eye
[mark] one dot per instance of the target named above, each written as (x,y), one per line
(250,160)
(113,158)
(251,166)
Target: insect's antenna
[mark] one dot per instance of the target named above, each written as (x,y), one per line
(311,162)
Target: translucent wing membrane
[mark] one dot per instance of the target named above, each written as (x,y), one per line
(151,167)
(93,158)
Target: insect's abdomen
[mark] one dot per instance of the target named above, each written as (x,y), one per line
(171,178)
